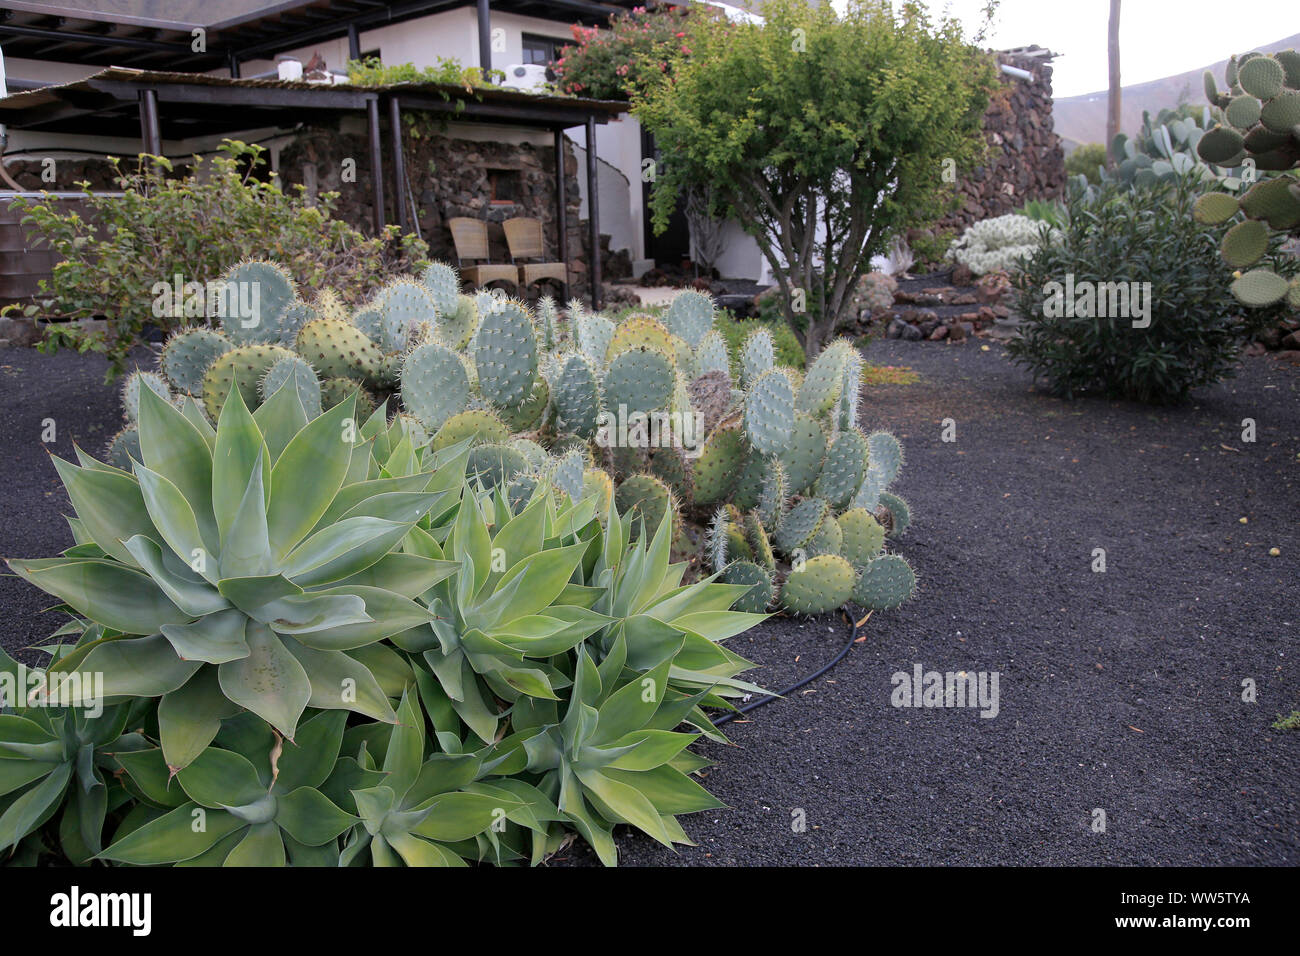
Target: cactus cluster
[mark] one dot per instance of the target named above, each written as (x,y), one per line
(1258,123)
(768,474)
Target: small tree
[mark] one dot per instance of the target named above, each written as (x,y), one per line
(823,134)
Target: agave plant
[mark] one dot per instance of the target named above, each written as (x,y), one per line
(246,567)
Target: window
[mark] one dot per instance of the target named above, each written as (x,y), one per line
(541,50)
(503,186)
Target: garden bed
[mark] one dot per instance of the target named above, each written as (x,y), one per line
(1119,691)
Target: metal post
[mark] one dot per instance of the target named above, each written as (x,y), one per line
(354,42)
(593,213)
(149,130)
(232,63)
(399,161)
(562,202)
(484,37)
(376,161)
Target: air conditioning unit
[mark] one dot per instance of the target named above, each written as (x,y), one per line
(525,76)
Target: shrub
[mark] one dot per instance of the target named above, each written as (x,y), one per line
(373,72)
(1119,246)
(637,47)
(998,244)
(195,226)
(1085,161)
(346,654)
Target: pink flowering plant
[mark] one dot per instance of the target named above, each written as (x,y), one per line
(637,48)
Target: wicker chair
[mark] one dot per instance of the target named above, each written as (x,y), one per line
(470,237)
(524,237)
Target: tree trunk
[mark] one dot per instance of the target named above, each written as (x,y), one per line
(1113,103)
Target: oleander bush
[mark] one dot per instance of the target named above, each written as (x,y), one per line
(315,641)
(116,260)
(1125,258)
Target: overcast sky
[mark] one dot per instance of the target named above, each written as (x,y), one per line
(1157,38)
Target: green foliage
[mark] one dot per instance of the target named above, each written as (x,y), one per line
(1086,161)
(446,71)
(788,351)
(817,120)
(322,642)
(1259,124)
(1119,236)
(637,47)
(122,257)
(1044,210)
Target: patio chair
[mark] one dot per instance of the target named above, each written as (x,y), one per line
(470,237)
(524,237)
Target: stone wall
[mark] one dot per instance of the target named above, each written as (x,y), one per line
(68,172)
(450,177)
(1025,159)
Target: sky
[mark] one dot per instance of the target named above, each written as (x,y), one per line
(1157,38)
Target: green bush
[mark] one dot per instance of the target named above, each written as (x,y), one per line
(196,226)
(345,654)
(1119,236)
(788,350)
(373,72)
(1085,161)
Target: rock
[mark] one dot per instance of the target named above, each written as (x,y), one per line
(961,275)
(19,332)
(1291,342)
(900,329)
(940,332)
(966,298)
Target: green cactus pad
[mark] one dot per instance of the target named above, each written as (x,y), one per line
(1244,244)
(846,409)
(1212,209)
(577,397)
(1259,287)
(476,423)
(759,543)
(455,329)
(505,354)
(863,537)
(641,331)
(759,581)
(800,524)
(757,355)
(770,411)
(644,497)
(773,495)
(495,464)
(828,539)
(597,484)
(669,465)
(1290,61)
(334,391)
(568,472)
(299,376)
(443,283)
(404,307)
(711,354)
(520,491)
(690,316)
(369,323)
(1274,201)
(822,384)
(1261,77)
(885,454)
(435,385)
(843,469)
(899,512)
(131,391)
(338,349)
(528,416)
(802,457)
(188,354)
(548,323)
(884,583)
(123,447)
(822,584)
(1220,145)
(592,333)
(243,367)
(716,469)
(1282,113)
(1243,111)
(640,379)
(267,291)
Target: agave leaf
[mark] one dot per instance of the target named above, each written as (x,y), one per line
(192,597)
(109,506)
(34,806)
(221,779)
(279,419)
(214,639)
(307,761)
(190,716)
(239,449)
(131,667)
(269,682)
(409,575)
(391,612)
(307,476)
(245,546)
(344,549)
(172,447)
(310,818)
(339,682)
(174,518)
(104,591)
(262,845)
(173,837)
(258,591)
(530,586)
(316,611)
(718,625)
(472,544)
(148,771)
(417,852)
(652,748)
(405,753)
(458,816)
(669,790)
(632,706)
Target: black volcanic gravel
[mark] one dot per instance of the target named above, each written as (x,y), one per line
(1119,691)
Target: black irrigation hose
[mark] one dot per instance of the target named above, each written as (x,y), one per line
(755,704)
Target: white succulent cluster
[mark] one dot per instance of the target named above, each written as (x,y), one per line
(996,244)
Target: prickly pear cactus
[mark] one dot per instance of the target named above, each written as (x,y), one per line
(243,367)
(505,354)
(885,582)
(338,349)
(435,385)
(690,316)
(131,386)
(819,585)
(298,375)
(188,354)
(251,304)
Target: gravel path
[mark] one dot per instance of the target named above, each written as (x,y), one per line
(1119,691)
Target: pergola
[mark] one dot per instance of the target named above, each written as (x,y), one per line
(184,105)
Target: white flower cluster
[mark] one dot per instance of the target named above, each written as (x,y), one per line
(996,244)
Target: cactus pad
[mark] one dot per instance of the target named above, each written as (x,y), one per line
(435,385)
(644,498)
(577,397)
(802,457)
(690,316)
(254,297)
(718,465)
(711,354)
(800,524)
(757,355)
(505,354)
(123,447)
(759,581)
(862,537)
(242,367)
(131,391)
(476,423)
(769,412)
(639,380)
(897,512)
(338,349)
(885,583)
(822,584)
(495,465)
(844,467)
(187,355)
(300,377)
